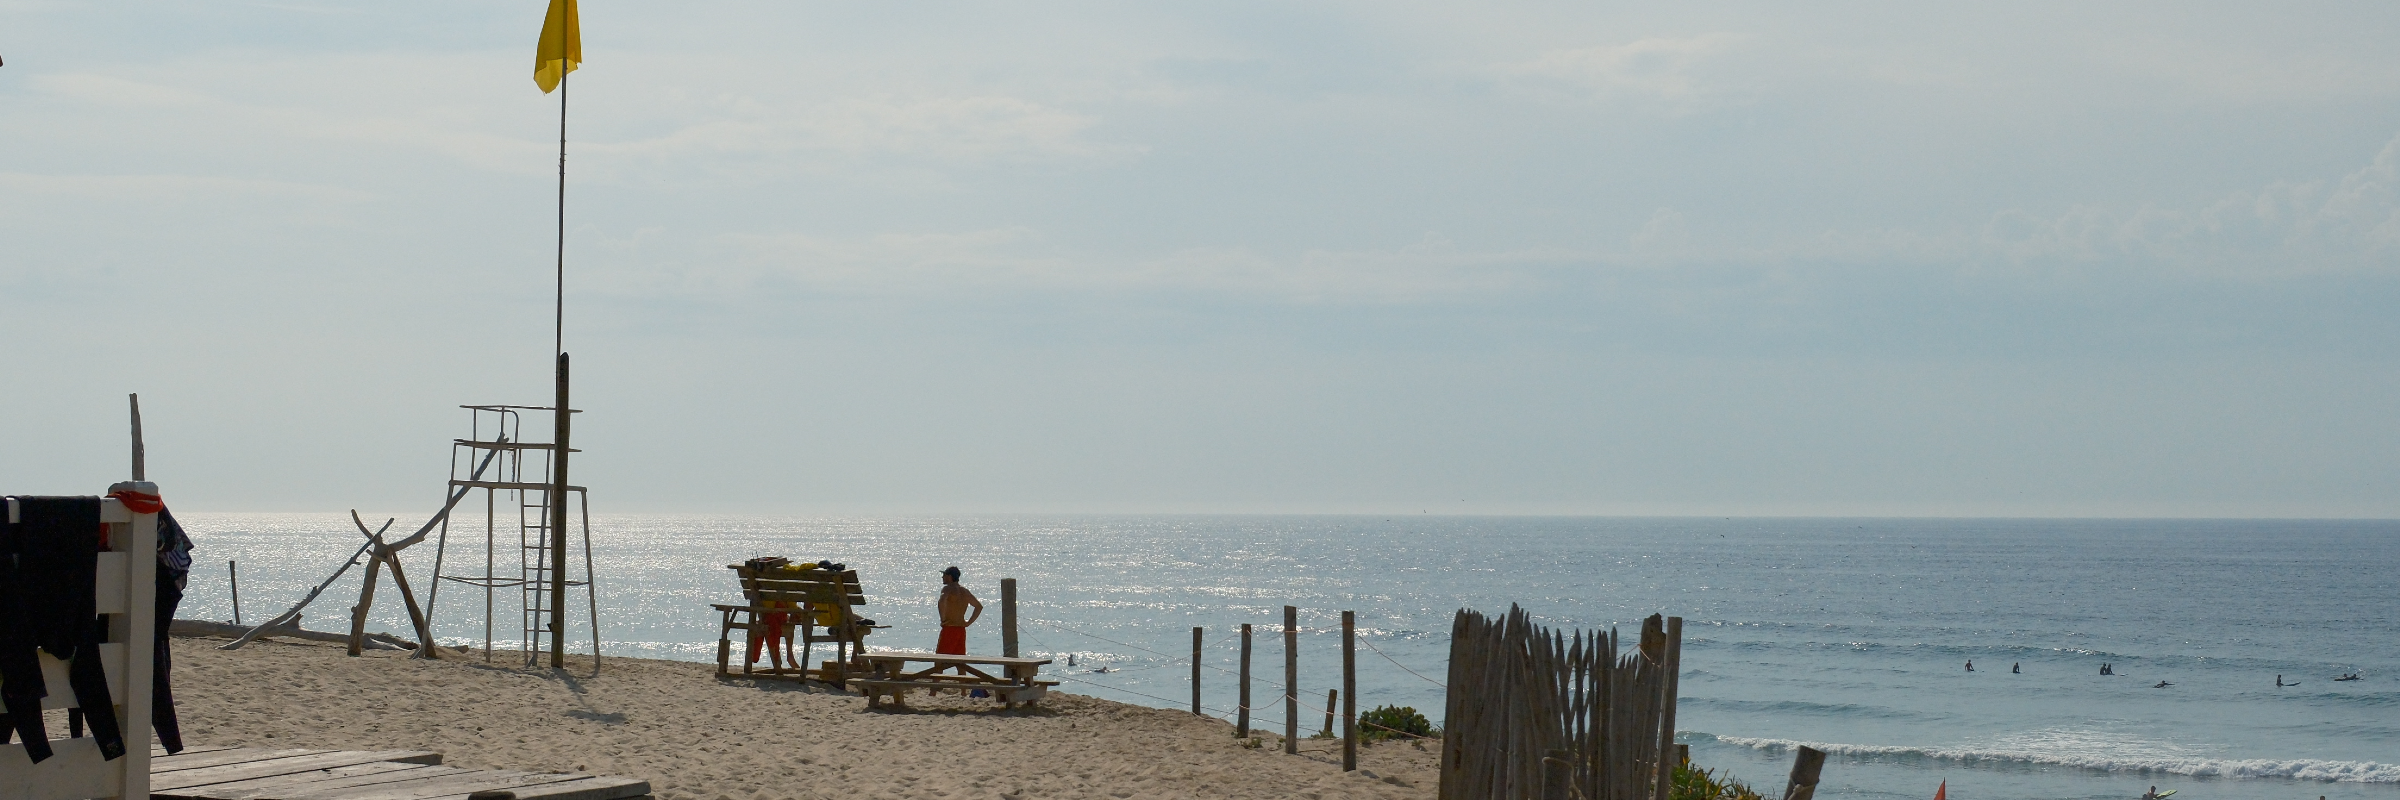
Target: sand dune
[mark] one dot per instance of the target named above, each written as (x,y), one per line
(697,738)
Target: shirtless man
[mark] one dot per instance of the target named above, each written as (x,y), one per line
(954,604)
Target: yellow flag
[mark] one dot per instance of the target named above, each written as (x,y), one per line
(561,48)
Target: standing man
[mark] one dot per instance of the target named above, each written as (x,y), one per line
(954,604)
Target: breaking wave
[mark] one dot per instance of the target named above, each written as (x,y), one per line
(2291,769)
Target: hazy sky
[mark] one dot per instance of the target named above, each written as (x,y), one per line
(2069,259)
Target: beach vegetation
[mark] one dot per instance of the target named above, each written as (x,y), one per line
(1694,783)
(1392,722)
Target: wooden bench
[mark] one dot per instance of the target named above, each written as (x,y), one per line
(889,676)
(820,604)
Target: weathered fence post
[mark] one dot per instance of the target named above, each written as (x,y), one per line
(1557,775)
(1291,680)
(1008,617)
(1666,706)
(1332,697)
(1195,670)
(1241,725)
(233,576)
(1349,691)
(1804,774)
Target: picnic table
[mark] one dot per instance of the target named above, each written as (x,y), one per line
(1017,679)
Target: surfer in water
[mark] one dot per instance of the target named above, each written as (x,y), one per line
(2279,682)
(2013,667)
(2162,685)
(2350,677)
(1970,665)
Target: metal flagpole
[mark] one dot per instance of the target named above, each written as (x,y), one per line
(558,488)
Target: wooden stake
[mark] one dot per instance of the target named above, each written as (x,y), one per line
(1195,670)
(1349,691)
(1804,774)
(233,577)
(1291,680)
(1557,777)
(1241,725)
(1666,709)
(1332,697)
(135,401)
(1008,617)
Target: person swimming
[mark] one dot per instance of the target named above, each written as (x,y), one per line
(2162,685)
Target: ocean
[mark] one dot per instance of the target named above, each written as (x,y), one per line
(1851,635)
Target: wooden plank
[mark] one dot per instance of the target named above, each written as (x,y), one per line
(157,752)
(54,673)
(74,769)
(108,584)
(598,787)
(220,757)
(226,773)
(458,785)
(372,772)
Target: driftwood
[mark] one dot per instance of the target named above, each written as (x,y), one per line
(197,627)
(386,555)
(293,615)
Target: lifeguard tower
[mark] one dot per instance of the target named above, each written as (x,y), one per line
(518,490)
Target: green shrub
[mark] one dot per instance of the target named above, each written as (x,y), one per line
(1380,724)
(1694,783)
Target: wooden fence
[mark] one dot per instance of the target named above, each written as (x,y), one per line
(1536,714)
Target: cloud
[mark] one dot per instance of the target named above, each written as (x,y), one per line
(2341,225)
(1670,70)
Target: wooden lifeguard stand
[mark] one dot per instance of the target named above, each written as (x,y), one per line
(518,493)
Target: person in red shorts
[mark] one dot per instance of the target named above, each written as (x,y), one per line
(955,619)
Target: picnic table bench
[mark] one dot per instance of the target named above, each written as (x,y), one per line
(888,675)
(806,600)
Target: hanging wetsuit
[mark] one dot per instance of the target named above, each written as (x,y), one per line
(55,555)
(20,672)
(174,567)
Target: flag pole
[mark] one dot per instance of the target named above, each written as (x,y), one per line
(560,417)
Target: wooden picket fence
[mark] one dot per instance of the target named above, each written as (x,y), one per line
(1535,714)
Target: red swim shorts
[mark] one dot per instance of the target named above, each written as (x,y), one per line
(954,641)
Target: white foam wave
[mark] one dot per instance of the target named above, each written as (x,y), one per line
(2293,769)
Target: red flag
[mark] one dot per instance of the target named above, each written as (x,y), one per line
(1944,792)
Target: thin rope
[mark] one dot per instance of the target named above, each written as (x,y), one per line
(1403,667)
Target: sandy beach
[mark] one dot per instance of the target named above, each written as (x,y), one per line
(695,737)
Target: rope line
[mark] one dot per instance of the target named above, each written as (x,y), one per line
(1403,667)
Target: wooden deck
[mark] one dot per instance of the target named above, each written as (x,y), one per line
(248,773)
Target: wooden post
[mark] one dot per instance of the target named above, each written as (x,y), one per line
(233,577)
(1349,691)
(1804,774)
(1008,617)
(1332,696)
(558,478)
(1195,670)
(136,401)
(1291,680)
(1557,775)
(1666,709)
(1241,725)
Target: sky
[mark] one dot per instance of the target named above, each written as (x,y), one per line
(2042,259)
